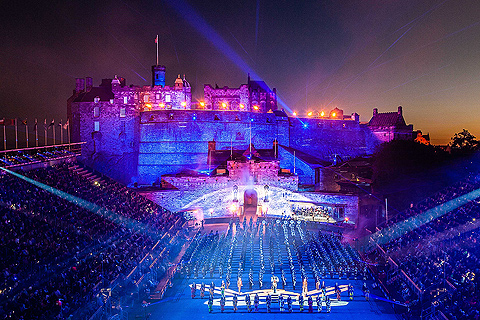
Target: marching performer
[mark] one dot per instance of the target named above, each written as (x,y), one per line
(318,300)
(248,303)
(256,302)
(193,290)
(239,284)
(269,302)
(328,303)
(300,302)
(350,291)
(210,304)
(289,304)
(235,302)
(222,289)
(202,290)
(222,304)
(281,302)
(310,304)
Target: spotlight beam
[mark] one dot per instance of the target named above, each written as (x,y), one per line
(92,207)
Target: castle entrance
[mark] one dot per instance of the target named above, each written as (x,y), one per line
(250,201)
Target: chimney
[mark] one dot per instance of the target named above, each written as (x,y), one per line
(79,85)
(375,111)
(89,83)
(400,110)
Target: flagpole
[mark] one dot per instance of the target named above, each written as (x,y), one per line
(68,132)
(16,134)
(61,132)
(54,141)
(46,135)
(4,137)
(36,132)
(26,130)
(157,49)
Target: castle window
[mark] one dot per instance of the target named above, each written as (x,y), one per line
(125,100)
(96,99)
(96,112)
(146,98)
(168,98)
(157,96)
(111,101)
(122,112)
(96,126)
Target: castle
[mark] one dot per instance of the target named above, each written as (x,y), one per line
(141,134)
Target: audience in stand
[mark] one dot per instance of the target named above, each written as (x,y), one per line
(56,255)
(442,256)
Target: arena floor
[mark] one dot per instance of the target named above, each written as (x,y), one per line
(177,302)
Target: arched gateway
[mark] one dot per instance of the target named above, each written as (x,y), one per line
(250,202)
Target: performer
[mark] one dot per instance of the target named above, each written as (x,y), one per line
(248,303)
(193,289)
(222,304)
(324,292)
(211,290)
(310,304)
(239,284)
(269,302)
(317,284)
(289,304)
(222,289)
(235,302)
(300,302)
(318,300)
(250,280)
(281,302)
(210,304)
(202,290)
(256,302)
(338,294)
(328,303)
(274,280)
(350,291)
(305,286)
(367,294)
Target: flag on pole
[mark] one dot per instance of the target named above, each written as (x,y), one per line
(35,125)
(156,39)
(24,122)
(65,126)
(7,122)
(51,123)
(60,123)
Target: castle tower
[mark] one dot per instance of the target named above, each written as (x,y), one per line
(158,75)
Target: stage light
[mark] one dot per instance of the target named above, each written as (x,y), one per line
(255,107)
(346,219)
(310,114)
(233,207)
(294,114)
(162,105)
(148,106)
(305,125)
(242,106)
(322,114)
(334,114)
(184,104)
(202,104)
(224,105)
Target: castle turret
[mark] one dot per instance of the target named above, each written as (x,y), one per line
(158,75)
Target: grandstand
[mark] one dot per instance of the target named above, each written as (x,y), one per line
(77,244)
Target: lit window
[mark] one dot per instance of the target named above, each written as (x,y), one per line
(125,100)
(157,96)
(96,126)
(111,101)
(96,99)
(146,98)
(122,112)
(168,98)
(96,112)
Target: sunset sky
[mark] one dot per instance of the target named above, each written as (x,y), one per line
(355,55)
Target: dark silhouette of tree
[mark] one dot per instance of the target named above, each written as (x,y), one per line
(464,142)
